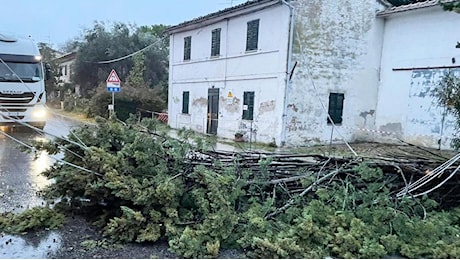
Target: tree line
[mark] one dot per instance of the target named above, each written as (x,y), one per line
(143,71)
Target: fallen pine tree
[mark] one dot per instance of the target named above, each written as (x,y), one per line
(141,185)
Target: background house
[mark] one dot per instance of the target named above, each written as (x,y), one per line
(67,91)
(308,72)
(418,49)
(65,63)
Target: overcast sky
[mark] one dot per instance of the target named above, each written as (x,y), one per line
(57,21)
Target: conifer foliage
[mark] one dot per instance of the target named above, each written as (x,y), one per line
(145,186)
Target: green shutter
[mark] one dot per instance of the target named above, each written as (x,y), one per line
(252,36)
(336,107)
(248,100)
(187,47)
(185,102)
(215,42)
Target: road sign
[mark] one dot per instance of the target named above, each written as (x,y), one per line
(113,85)
(113,88)
(113,77)
(113,82)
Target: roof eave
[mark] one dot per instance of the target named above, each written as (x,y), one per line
(222,15)
(65,57)
(411,7)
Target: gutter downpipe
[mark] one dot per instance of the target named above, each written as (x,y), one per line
(288,67)
(170,83)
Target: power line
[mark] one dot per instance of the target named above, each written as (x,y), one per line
(53,157)
(129,55)
(42,132)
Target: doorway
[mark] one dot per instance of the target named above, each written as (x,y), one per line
(213,111)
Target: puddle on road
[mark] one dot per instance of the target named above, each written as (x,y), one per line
(21,247)
(20,183)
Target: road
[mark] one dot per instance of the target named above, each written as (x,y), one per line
(20,180)
(20,177)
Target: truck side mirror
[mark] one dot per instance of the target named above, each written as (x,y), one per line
(47,71)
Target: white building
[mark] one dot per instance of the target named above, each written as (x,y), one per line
(284,71)
(66,63)
(419,47)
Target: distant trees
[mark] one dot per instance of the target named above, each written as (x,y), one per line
(138,54)
(451,6)
(100,44)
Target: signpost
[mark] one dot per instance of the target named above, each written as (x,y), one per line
(113,85)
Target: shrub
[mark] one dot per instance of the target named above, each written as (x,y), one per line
(146,186)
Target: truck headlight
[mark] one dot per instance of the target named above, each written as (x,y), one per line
(39,113)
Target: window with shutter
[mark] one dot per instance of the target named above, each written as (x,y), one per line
(215,42)
(252,36)
(185,101)
(335,108)
(248,105)
(187,47)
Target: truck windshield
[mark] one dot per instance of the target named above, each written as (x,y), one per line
(28,72)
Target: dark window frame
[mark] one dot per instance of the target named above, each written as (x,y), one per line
(335,109)
(187,48)
(248,100)
(185,102)
(215,42)
(252,35)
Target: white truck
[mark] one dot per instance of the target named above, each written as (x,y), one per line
(22,83)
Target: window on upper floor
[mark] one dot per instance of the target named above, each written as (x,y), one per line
(215,42)
(185,101)
(248,105)
(335,108)
(252,36)
(187,47)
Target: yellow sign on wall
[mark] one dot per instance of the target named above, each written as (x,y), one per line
(230,98)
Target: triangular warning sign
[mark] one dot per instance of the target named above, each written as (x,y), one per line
(113,77)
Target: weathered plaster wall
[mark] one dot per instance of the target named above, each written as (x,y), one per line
(337,47)
(234,71)
(426,122)
(416,39)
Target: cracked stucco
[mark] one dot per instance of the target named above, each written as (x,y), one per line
(331,41)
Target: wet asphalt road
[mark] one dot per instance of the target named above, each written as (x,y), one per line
(20,180)
(20,177)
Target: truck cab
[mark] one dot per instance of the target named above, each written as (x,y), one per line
(22,83)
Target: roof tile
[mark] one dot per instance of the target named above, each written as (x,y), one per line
(409,7)
(218,13)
